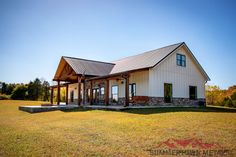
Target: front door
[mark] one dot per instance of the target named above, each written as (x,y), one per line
(72,96)
(167,92)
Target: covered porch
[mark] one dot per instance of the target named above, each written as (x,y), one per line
(92,91)
(88,82)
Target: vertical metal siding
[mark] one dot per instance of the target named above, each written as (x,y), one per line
(140,78)
(180,77)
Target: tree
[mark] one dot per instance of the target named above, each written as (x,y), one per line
(217,96)
(214,95)
(233,98)
(45,88)
(35,90)
(31,92)
(9,88)
(20,92)
(4,88)
(38,89)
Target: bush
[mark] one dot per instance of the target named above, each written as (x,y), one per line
(4,97)
(233,96)
(234,103)
(19,93)
(202,103)
(228,102)
(220,103)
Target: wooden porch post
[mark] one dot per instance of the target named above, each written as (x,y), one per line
(127,90)
(91,92)
(67,94)
(58,92)
(51,98)
(79,89)
(107,93)
(84,92)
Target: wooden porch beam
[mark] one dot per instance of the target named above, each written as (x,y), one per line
(58,92)
(67,94)
(91,93)
(79,89)
(84,92)
(126,77)
(107,93)
(51,98)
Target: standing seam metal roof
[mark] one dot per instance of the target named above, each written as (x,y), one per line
(89,67)
(144,60)
(141,61)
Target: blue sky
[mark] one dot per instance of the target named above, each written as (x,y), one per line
(34,34)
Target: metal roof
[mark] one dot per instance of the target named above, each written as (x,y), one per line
(89,67)
(141,61)
(144,60)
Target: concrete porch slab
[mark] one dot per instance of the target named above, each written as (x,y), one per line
(35,109)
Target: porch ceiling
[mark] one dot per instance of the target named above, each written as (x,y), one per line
(65,72)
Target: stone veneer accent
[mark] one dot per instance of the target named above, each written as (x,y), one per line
(178,102)
(121,102)
(159,101)
(155,101)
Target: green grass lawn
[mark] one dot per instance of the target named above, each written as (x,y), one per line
(108,133)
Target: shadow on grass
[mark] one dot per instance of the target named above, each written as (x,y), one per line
(163,110)
(180,109)
(80,109)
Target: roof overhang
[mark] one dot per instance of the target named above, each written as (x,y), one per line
(64,72)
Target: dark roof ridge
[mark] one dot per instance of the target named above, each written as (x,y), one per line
(88,60)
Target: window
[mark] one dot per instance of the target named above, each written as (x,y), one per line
(167,93)
(94,94)
(192,92)
(132,90)
(88,95)
(102,93)
(114,93)
(181,60)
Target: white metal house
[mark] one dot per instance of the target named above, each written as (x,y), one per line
(169,75)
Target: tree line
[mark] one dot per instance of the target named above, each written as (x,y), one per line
(220,97)
(34,90)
